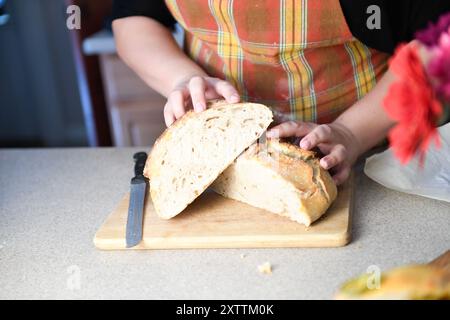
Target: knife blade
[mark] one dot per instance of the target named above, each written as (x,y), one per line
(138,187)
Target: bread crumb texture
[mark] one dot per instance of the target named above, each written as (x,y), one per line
(197,148)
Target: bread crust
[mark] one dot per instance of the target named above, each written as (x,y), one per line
(322,177)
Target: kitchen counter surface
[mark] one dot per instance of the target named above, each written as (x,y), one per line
(52,201)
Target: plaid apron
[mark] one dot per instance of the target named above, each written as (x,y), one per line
(296,56)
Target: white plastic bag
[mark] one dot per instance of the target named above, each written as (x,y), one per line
(432,180)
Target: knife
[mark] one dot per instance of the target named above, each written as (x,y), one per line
(137,197)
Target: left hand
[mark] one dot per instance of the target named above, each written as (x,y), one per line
(334,140)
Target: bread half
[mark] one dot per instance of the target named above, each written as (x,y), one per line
(197,148)
(281,178)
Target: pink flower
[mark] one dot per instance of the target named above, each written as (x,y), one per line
(439,66)
(430,36)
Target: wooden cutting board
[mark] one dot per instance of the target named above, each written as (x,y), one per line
(213,221)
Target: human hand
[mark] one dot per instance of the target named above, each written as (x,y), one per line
(335,141)
(196,90)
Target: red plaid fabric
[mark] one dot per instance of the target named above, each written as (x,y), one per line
(296,56)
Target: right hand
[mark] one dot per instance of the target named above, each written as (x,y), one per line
(199,89)
(334,140)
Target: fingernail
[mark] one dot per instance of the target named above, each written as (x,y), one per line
(235,98)
(269,134)
(325,164)
(199,107)
(305,144)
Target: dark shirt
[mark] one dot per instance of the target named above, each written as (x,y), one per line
(400,19)
(155,9)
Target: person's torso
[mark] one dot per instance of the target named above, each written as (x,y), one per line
(296,56)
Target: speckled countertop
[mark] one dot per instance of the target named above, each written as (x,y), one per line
(53,200)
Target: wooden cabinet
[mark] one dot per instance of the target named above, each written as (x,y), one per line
(135,110)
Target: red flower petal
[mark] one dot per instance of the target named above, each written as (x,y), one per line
(411,101)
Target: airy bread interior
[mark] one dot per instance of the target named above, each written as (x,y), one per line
(194,151)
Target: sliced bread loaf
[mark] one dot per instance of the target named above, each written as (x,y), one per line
(197,148)
(281,178)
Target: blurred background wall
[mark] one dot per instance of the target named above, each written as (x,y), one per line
(64,88)
(39,96)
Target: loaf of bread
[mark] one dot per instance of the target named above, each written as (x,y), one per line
(281,178)
(197,148)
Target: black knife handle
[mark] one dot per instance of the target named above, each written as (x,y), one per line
(139,163)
